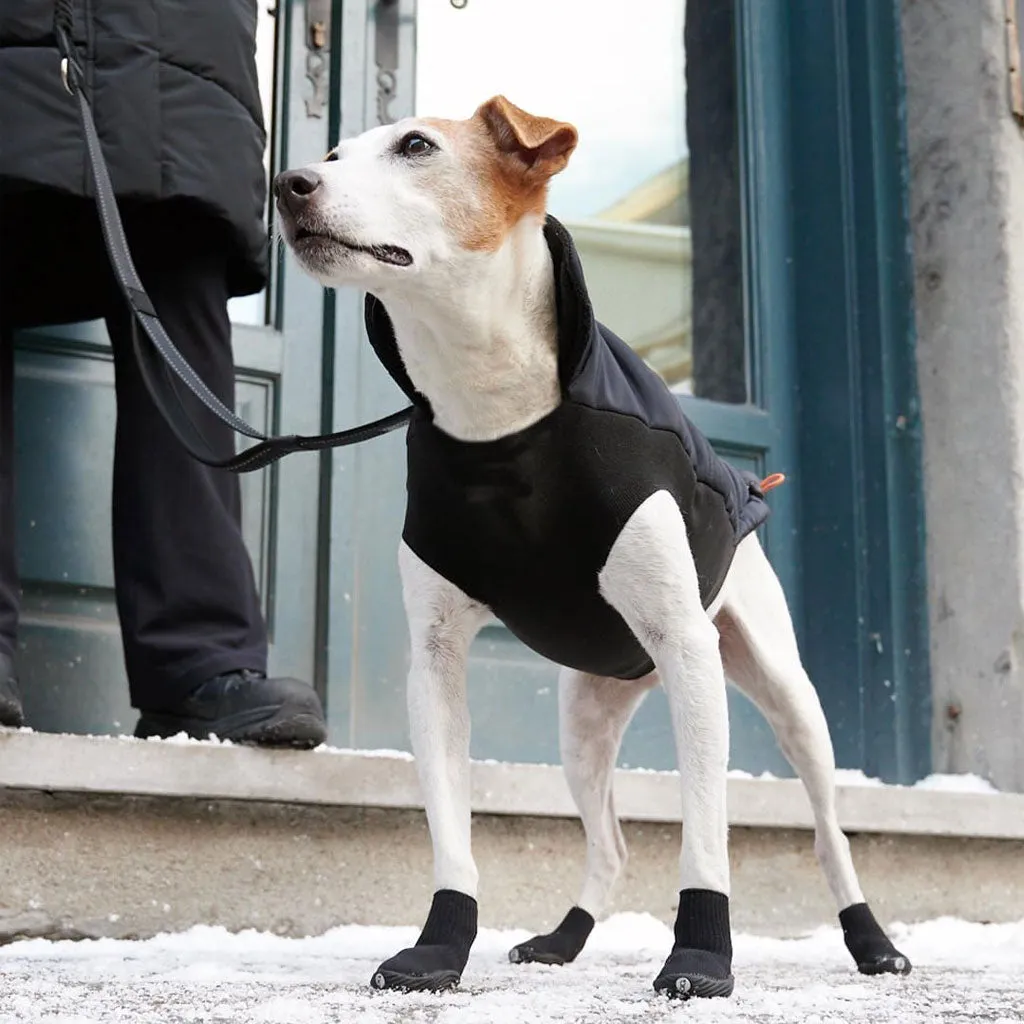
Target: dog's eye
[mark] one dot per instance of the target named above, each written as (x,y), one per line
(331,157)
(415,144)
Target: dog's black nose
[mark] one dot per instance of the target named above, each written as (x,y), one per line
(293,188)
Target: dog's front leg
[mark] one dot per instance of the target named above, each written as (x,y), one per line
(651,580)
(442,624)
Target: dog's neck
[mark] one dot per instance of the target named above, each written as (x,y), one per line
(483,349)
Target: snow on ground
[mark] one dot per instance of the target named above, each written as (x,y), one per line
(963,972)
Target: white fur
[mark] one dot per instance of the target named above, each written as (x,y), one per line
(367,197)
(442,624)
(761,658)
(651,580)
(593,714)
(476,330)
(484,353)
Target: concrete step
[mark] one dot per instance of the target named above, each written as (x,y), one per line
(117,837)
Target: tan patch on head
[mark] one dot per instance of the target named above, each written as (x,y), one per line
(510,157)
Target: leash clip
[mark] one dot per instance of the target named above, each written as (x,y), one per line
(70,70)
(70,75)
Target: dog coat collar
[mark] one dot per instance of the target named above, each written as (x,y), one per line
(524,524)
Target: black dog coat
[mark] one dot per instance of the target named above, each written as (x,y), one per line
(525,523)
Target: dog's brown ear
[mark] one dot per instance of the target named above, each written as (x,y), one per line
(541,144)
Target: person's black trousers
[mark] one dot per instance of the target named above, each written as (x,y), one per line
(186,595)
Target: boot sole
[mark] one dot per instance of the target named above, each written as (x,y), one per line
(436,981)
(694,986)
(286,726)
(11,715)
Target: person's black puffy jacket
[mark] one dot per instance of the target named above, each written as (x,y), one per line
(175,96)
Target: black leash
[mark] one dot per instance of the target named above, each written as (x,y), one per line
(159,360)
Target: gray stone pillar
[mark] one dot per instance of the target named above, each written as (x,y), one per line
(967,211)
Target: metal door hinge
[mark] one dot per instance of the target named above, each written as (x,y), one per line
(318,45)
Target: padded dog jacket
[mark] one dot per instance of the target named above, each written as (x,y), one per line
(524,524)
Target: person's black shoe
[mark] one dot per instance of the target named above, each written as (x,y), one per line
(11,713)
(244,707)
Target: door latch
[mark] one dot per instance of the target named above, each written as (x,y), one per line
(318,45)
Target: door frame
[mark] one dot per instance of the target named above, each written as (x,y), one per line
(828,293)
(862,540)
(275,363)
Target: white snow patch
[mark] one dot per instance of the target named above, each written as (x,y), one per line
(181,739)
(382,754)
(963,972)
(966,783)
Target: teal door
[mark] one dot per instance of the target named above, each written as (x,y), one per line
(676,274)
(70,654)
(739,200)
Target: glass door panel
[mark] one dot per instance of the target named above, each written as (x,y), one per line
(658,205)
(655,215)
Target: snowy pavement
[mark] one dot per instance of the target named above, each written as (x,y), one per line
(963,972)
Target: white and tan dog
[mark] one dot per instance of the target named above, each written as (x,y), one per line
(477,309)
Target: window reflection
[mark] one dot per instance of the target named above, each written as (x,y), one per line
(651,195)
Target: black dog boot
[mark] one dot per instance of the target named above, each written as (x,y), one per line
(244,707)
(11,713)
(868,943)
(561,946)
(700,964)
(439,957)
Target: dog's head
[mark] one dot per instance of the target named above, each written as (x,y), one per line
(402,202)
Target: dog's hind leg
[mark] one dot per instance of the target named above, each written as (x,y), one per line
(650,578)
(761,658)
(593,714)
(442,624)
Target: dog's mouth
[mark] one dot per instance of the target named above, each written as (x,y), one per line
(393,255)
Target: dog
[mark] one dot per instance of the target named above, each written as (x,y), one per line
(554,484)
